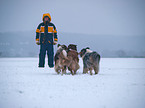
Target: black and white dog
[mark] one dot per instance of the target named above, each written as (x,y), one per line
(91,60)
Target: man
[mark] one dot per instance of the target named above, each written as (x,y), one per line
(46,37)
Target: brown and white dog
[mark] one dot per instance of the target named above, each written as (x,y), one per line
(61,59)
(72,55)
(91,60)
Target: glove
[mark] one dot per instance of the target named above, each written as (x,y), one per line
(55,42)
(37,42)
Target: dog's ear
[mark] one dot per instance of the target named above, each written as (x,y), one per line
(68,46)
(87,48)
(58,45)
(65,46)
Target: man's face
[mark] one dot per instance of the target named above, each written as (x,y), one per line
(46,19)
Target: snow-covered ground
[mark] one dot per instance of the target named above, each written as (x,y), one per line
(120,84)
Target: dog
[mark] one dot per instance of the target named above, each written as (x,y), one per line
(61,59)
(72,55)
(91,60)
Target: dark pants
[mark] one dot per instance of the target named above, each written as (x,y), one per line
(50,53)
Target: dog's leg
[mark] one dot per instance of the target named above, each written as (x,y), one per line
(75,72)
(63,70)
(72,72)
(85,70)
(77,67)
(96,69)
(62,74)
(91,71)
(57,70)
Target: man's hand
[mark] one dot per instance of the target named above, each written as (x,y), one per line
(37,42)
(55,42)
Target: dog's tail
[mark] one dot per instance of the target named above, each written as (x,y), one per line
(96,57)
(99,57)
(96,60)
(64,54)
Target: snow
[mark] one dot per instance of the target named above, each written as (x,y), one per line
(119,84)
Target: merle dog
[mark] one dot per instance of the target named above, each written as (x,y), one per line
(91,60)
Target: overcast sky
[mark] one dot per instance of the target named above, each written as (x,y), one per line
(105,17)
